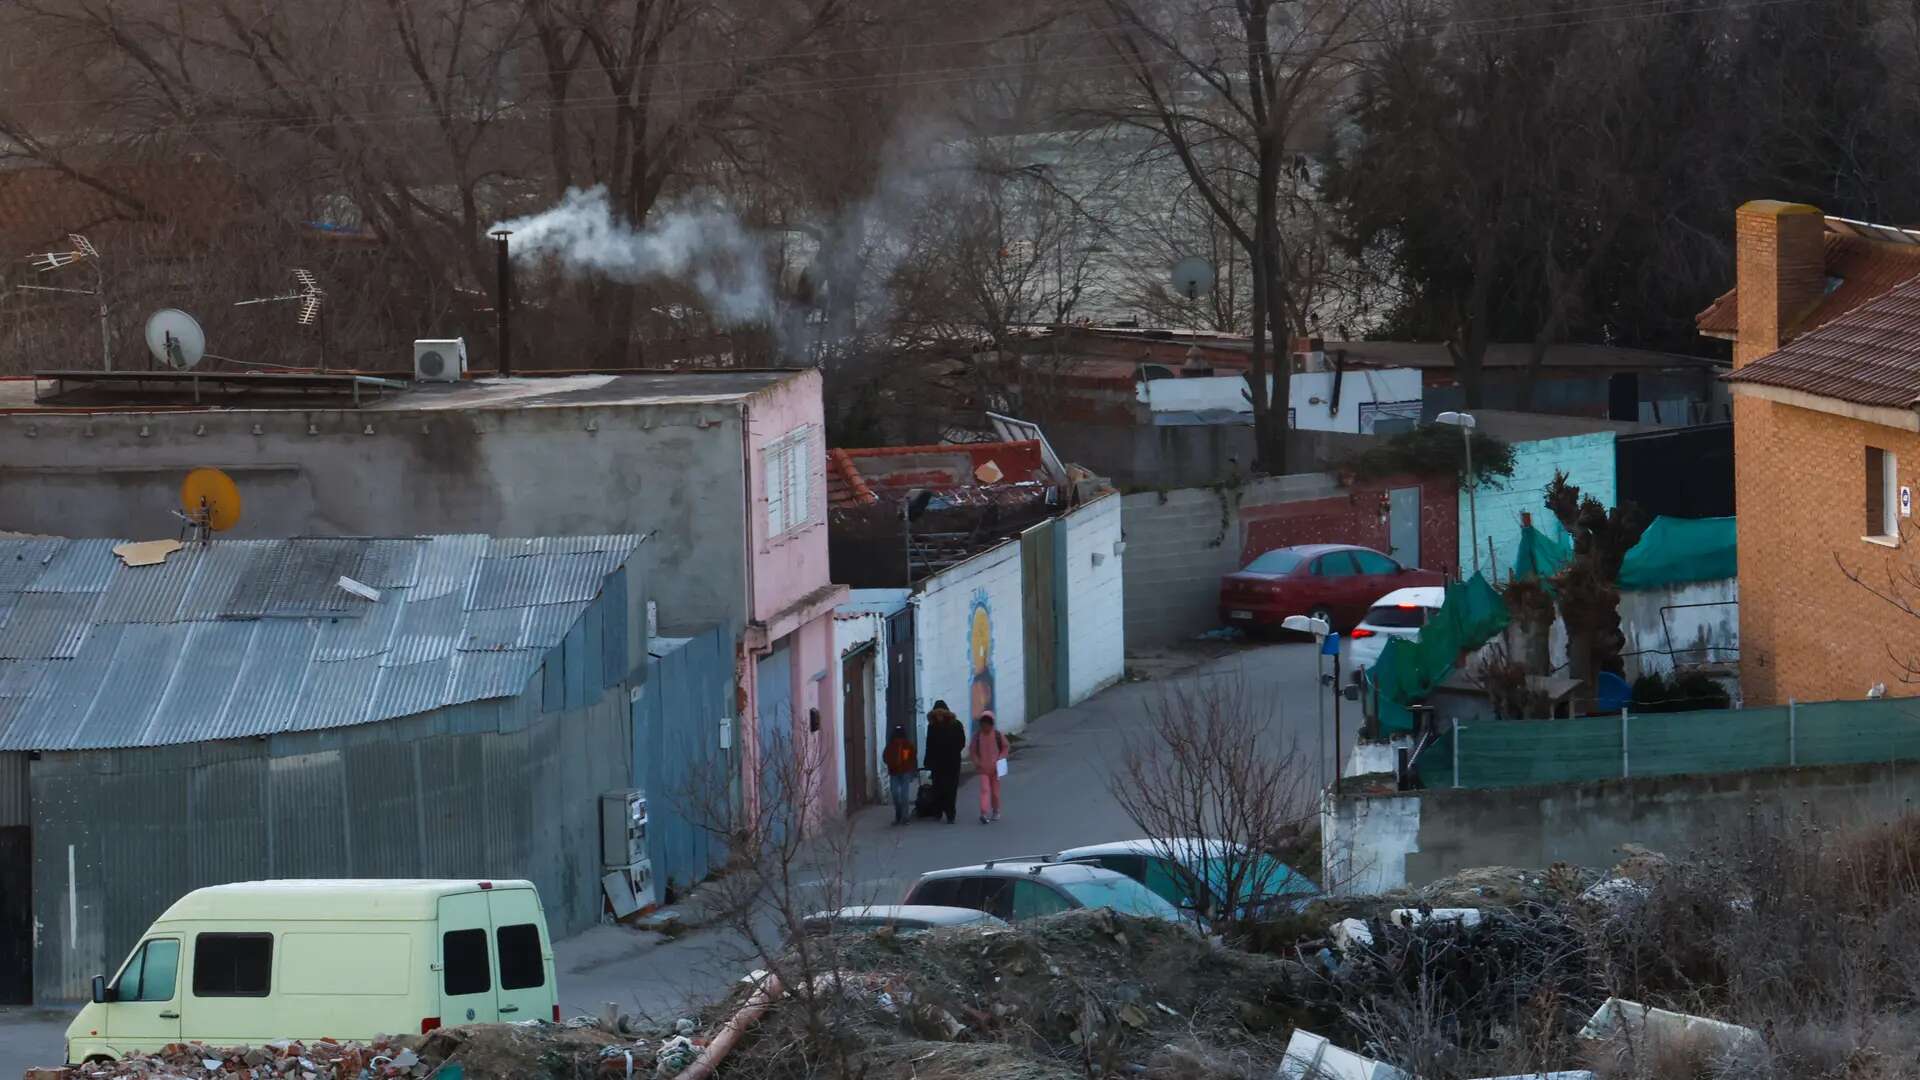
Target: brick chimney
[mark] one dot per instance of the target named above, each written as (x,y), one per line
(1781,252)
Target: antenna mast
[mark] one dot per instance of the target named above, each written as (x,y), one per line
(81,251)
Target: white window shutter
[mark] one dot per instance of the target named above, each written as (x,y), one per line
(773,467)
(801,511)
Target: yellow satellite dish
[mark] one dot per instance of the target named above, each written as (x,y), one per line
(211,498)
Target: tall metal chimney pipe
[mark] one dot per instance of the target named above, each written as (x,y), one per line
(503,302)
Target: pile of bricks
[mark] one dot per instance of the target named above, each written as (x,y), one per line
(324,1059)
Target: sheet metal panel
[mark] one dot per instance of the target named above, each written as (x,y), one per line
(447,566)
(23,561)
(335,695)
(195,708)
(136,679)
(150,594)
(14,800)
(537,579)
(45,625)
(406,689)
(79,566)
(364,633)
(267,693)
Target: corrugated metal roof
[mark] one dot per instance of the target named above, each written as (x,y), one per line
(252,637)
(1869,356)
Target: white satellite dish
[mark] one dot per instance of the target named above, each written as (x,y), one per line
(1193,277)
(175,339)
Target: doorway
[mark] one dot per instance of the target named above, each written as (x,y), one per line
(856,680)
(1403,525)
(16,915)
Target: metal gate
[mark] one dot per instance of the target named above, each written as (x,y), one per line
(1403,525)
(16,916)
(901,703)
(678,760)
(1042,641)
(775,745)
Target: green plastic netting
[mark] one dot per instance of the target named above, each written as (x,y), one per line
(1674,551)
(1520,753)
(1409,669)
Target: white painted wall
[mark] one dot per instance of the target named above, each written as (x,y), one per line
(1096,616)
(1363,393)
(944,618)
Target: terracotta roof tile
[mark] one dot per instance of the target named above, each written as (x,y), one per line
(1865,267)
(1869,356)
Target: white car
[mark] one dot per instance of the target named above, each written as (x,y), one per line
(1399,614)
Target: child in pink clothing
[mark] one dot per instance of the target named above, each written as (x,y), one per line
(985,750)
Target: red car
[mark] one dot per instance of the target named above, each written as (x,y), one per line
(1335,582)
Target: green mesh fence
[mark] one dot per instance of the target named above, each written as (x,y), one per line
(1673,551)
(1519,753)
(1409,669)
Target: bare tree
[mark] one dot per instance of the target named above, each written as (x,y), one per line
(1588,587)
(1236,95)
(1218,789)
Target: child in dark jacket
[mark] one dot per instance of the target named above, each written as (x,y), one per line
(900,770)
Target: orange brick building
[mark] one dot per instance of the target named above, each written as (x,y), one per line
(1825,321)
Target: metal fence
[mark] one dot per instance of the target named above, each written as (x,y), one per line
(1520,753)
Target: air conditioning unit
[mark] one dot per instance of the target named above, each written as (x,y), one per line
(439,360)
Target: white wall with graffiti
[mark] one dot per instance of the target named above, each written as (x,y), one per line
(969,640)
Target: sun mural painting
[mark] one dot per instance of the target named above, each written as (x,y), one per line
(980,650)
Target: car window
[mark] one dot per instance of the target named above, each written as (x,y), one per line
(150,975)
(1134,866)
(464,962)
(232,965)
(1372,562)
(1170,883)
(1122,894)
(1397,616)
(521,963)
(939,892)
(1277,561)
(996,896)
(1031,900)
(1334,564)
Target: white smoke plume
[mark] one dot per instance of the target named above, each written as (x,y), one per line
(705,247)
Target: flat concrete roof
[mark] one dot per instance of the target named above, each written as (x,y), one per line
(172,391)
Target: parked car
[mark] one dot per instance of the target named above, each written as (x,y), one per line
(901,917)
(1335,582)
(1195,875)
(1399,614)
(1027,889)
(244,963)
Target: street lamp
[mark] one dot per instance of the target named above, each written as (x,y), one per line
(1464,421)
(1319,628)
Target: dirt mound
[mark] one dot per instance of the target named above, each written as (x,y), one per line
(1051,997)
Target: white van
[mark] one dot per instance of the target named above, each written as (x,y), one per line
(257,961)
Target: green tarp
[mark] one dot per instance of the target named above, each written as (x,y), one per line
(1409,668)
(1673,551)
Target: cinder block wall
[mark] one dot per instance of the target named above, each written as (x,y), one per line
(1588,461)
(1096,630)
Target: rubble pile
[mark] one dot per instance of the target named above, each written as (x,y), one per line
(578,1049)
(1049,998)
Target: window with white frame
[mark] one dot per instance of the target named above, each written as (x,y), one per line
(1883,495)
(787,464)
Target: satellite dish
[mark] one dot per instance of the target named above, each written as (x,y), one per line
(1193,277)
(175,339)
(211,493)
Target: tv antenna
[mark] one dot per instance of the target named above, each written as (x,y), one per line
(1193,276)
(175,339)
(81,251)
(309,296)
(209,503)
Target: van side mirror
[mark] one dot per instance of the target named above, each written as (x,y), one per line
(101,995)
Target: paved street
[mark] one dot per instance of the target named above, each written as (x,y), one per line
(1056,796)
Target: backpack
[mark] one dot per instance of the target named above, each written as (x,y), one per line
(899,757)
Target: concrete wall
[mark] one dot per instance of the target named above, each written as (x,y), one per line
(1095,616)
(675,471)
(1381,842)
(1588,461)
(969,635)
(1366,395)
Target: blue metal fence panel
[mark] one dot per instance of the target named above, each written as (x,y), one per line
(677,758)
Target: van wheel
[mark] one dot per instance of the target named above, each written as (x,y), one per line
(97,1059)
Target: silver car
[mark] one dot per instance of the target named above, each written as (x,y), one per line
(1026,889)
(900,917)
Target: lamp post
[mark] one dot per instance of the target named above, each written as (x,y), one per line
(1465,422)
(1306,624)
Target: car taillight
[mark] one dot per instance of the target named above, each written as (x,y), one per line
(556,1012)
(428,1023)
(1360,632)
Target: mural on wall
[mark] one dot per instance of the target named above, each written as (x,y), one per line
(980,646)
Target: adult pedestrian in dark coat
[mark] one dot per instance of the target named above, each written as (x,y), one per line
(946,742)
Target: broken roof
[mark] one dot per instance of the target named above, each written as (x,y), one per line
(1868,356)
(863,477)
(238,638)
(1862,262)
